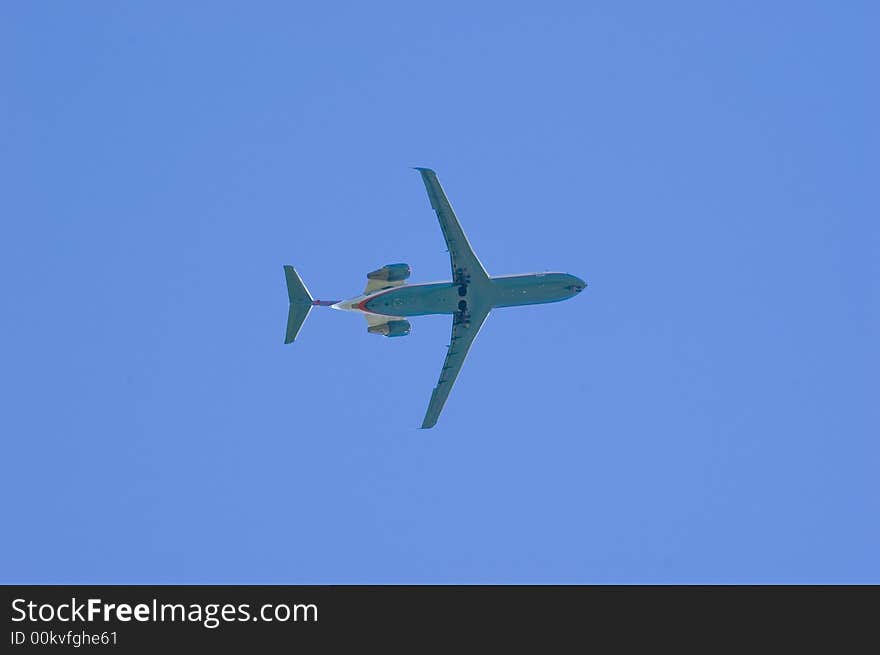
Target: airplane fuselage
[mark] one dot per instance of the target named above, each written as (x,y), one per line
(450,298)
(388,301)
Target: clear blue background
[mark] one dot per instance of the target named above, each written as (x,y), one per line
(706,411)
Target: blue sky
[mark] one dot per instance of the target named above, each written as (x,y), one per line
(706,411)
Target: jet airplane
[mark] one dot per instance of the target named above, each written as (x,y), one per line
(388,301)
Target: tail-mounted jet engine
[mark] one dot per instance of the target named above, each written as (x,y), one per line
(390,273)
(398,328)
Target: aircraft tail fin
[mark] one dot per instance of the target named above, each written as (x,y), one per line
(300,303)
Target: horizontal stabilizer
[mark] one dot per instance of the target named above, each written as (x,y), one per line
(300,303)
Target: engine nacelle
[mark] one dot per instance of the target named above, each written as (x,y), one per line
(397,328)
(390,273)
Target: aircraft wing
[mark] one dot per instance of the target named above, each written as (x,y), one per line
(464,330)
(465,265)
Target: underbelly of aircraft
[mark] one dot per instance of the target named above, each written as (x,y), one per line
(415,300)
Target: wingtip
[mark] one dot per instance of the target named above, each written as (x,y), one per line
(423,169)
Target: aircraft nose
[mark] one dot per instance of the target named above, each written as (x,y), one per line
(577,285)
